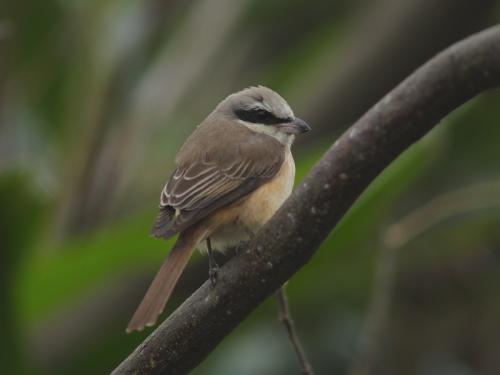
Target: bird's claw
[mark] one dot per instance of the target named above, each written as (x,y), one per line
(241,245)
(213,272)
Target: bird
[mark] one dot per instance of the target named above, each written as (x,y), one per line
(232,174)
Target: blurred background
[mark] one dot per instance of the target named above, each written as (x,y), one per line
(97,96)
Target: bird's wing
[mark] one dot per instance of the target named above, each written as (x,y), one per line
(215,179)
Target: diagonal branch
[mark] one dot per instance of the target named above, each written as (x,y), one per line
(292,236)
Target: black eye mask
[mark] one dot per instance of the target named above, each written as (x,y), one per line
(259,116)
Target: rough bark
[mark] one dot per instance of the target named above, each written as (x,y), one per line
(291,237)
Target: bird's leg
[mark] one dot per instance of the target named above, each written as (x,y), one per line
(286,318)
(213,267)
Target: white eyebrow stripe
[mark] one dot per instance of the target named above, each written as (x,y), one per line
(255,106)
(261,105)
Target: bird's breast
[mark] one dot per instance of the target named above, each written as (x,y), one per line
(234,223)
(261,204)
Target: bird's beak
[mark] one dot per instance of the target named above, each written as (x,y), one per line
(296,126)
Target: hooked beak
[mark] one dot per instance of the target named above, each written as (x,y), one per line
(297,126)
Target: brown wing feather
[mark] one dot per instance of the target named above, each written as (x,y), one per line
(219,175)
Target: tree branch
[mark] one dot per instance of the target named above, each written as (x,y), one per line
(292,236)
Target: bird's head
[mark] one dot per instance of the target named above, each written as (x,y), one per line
(264,111)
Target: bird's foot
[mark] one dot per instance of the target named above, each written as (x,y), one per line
(241,245)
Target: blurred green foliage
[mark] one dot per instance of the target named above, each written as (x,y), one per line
(19,219)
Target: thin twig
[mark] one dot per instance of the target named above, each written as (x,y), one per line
(286,318)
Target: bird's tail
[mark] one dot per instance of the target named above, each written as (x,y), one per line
(164,282)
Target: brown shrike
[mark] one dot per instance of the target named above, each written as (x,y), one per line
(232,175)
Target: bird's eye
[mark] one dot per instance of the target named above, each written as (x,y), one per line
(262,114)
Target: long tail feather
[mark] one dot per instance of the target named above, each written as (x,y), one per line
(164,282)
